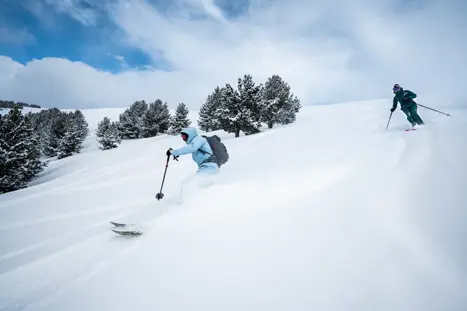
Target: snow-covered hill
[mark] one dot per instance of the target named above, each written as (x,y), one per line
(329,213)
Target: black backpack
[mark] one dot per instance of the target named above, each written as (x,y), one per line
(220,154)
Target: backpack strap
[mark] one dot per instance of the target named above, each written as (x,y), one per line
(201,148)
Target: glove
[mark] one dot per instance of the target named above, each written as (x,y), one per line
(169,152)
(392,109)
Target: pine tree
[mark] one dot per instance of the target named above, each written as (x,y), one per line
(53,134)
(82,125)
(108,134)
(180,119)
(128,125)
(131,120)
(289,111)
(42,122)
(19,151)
(72,140)
(76,132)
(230,110)
(156,119)
(150,121)
(251,97)
(209,118)
(241,110)
(163,116)
(275,100)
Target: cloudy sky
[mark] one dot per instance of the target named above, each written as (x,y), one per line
(109,53)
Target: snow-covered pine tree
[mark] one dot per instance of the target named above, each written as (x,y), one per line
(82,124)
(68,144)
(76,132)
(163,116)
(131,120)
(209,119)
(180,119)
(156,119)
(241,110)
(276,95)
(108,134)
(37,120)
(150,121)
(42,121)
(19,151)
(54,133)
(72,141)
(288,113)
(128,127)
(251,97)
(229,112)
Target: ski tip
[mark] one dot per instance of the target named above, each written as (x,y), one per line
(119,224)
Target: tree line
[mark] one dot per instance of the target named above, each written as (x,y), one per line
(10,104)
(242,109)
(142,120)
(28,140)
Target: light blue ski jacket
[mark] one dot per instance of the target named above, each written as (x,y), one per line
(194,144)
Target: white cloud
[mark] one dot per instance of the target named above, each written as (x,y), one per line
(61,83)
(328,51)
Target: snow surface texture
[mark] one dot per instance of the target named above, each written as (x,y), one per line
(329,213)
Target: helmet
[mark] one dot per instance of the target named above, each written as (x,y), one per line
(396,87)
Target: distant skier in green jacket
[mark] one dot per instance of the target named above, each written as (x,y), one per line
(408,105)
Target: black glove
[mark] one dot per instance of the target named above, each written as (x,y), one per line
(169,152)
(392,109)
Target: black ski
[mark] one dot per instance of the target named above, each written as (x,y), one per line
(125,229)
(127,232)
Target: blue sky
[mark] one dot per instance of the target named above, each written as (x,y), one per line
(48,31)
(64,36)
(110,53)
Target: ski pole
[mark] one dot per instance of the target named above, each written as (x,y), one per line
(389,120)
(160,195)
(447,114)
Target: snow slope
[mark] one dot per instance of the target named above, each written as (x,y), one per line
(329,213)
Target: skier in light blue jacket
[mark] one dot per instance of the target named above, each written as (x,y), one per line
(195,145)
(199,148)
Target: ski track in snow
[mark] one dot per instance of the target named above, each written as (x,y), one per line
(60,240)
(53,251)
(85,244)
(83,179)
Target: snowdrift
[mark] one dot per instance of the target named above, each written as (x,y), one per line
(329,213)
